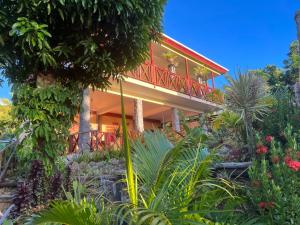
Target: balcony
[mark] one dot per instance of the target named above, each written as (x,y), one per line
(184,84)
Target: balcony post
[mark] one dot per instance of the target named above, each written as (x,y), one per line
(152,70)
(138,115)
(187,76)
(213,80)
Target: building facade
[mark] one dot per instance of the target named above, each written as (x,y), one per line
(174,79)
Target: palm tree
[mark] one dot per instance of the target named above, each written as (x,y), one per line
(248,97)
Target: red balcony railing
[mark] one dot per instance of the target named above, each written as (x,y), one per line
(155,75)
(99,140)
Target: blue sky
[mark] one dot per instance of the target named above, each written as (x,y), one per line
(237,34)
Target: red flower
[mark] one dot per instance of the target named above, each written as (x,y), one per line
(264,205)
(262,149)
(275,159)
(269,138)
(293,165)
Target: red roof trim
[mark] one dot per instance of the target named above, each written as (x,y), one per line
(191,54)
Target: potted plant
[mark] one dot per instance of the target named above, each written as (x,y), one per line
(201,73)
(171,58)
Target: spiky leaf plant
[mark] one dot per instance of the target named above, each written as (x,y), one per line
(248,97)
(175,183)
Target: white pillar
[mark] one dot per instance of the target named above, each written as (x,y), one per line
(138,115)
(175,120)
(84,125)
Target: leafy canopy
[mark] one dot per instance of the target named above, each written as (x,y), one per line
(286,77)
(85,41)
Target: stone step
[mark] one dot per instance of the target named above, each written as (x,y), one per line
(6,198)
(8,184)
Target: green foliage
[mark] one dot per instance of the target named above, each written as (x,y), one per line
(79,41)
(284,112)
(50,111)
(175,185)
(282,78)
(227,119)
(170,56)
(99,156)
(228,130)
(71,213)
(274,193)
(7,123)
(216,96)
(130,175)
(247,96)
(202,72)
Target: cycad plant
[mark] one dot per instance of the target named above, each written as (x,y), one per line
(76,210)
(248,97)
(175,183)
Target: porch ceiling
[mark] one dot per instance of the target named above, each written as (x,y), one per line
(103,102)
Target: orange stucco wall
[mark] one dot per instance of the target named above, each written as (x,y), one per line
(111,124)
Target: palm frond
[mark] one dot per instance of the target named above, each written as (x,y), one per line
(67,212)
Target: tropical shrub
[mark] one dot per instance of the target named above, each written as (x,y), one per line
(99,156)
(174,182)
(7,124)
(215,96)
(247,96)
(274,176)
(50,111)
(284,112)
(35,192)
(76,210)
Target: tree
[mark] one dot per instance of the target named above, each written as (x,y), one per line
(247,96)
(71,45)
(282,77)
(6,120)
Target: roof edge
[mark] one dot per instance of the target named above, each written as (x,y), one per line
(176,45)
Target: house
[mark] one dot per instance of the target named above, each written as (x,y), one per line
(174,78)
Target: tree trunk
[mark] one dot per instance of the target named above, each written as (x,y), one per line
(84,125)
(297,85)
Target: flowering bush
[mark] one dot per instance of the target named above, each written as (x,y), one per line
(275,180)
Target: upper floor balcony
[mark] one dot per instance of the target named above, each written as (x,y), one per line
(175,67)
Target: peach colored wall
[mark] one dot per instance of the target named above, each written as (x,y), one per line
(111,123)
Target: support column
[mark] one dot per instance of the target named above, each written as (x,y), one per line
(138,115)
(213,80)
(84,125)
(175,120)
